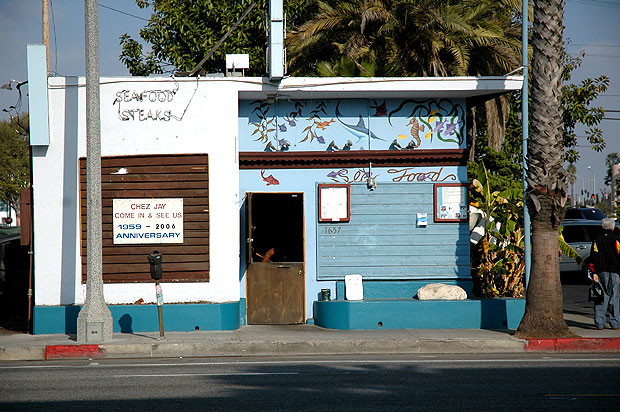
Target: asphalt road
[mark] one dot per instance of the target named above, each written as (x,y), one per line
(356,383)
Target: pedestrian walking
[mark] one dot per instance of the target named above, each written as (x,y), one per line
(605,265)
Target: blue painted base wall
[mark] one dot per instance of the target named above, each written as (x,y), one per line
(400,289)
(498,313)
(143,318)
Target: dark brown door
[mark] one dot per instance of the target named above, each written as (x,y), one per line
(275,275)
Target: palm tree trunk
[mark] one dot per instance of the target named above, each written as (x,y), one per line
(547,187)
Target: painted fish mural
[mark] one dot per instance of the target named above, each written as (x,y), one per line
(269,179)
(314,124)
(415,133)
(442,118)
(380,110)
(359,130)
(395,145)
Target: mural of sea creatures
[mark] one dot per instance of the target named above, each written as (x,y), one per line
(451,128)
(439,126)
(432,114)
(291,122)
(415,131)
(380,110)
(359,130)
(332,147)
(269,179)
(323,125)
(270,147)
(412,145)
(395,145)
(284,144)
(333,174)
(348,145)
(282,127)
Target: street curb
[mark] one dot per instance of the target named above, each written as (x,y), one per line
(73,351)
(262,348)
(296,348)
(22,354)
(573,345)
(307,348)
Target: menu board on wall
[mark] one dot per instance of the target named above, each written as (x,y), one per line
(334,203)
(451,202)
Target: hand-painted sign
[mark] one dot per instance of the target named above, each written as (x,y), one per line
(143,105)
(138,221)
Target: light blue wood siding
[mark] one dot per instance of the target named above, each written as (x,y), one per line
(382,240)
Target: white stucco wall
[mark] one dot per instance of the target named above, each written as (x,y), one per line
(200,117)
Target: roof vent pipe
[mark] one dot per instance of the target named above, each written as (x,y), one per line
(276,60)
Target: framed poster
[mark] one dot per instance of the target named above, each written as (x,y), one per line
(451,202)
(334,203)
(147,221)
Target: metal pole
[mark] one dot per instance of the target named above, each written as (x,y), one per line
(46,32)
(525,130)
(160,315)
(95,319)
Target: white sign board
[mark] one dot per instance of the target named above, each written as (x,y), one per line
(334,203)
(143,221)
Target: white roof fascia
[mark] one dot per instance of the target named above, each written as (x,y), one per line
(381,87)
(297,88)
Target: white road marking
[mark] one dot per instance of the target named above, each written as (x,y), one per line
(325,362)
(173,375)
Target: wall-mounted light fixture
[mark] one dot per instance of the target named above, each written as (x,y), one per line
(7,86)
(371,183)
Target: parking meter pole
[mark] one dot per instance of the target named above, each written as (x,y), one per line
(157,272)
(160,315)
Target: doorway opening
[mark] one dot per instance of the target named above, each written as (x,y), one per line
(275,275)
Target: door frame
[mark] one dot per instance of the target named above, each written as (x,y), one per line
(248,243)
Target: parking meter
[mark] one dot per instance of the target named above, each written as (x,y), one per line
(155,261)
(156,274)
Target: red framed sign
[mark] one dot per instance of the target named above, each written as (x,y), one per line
(451,202)
(334,202)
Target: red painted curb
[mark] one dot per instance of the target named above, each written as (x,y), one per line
(73,351)
(573,345)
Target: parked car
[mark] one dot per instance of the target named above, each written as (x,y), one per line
(590,213)
(579,234)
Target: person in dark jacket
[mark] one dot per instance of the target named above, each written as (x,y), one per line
(605,264)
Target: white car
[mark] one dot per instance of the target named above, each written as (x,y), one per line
(579,234)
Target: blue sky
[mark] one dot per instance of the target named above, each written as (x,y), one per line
(593,26)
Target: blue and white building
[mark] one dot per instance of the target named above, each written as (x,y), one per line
(277,188)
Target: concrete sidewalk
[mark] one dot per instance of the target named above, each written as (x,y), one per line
(297,340)
(261,340)
(311,340)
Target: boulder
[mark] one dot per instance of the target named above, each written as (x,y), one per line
(440,291)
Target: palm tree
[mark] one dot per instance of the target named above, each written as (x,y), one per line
(546,193)
(410,37)
(349,29)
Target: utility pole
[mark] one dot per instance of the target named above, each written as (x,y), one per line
(46,33)
(527,242)
(615,169)
(95,319)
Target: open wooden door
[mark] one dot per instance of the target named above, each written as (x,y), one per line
(275,275)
